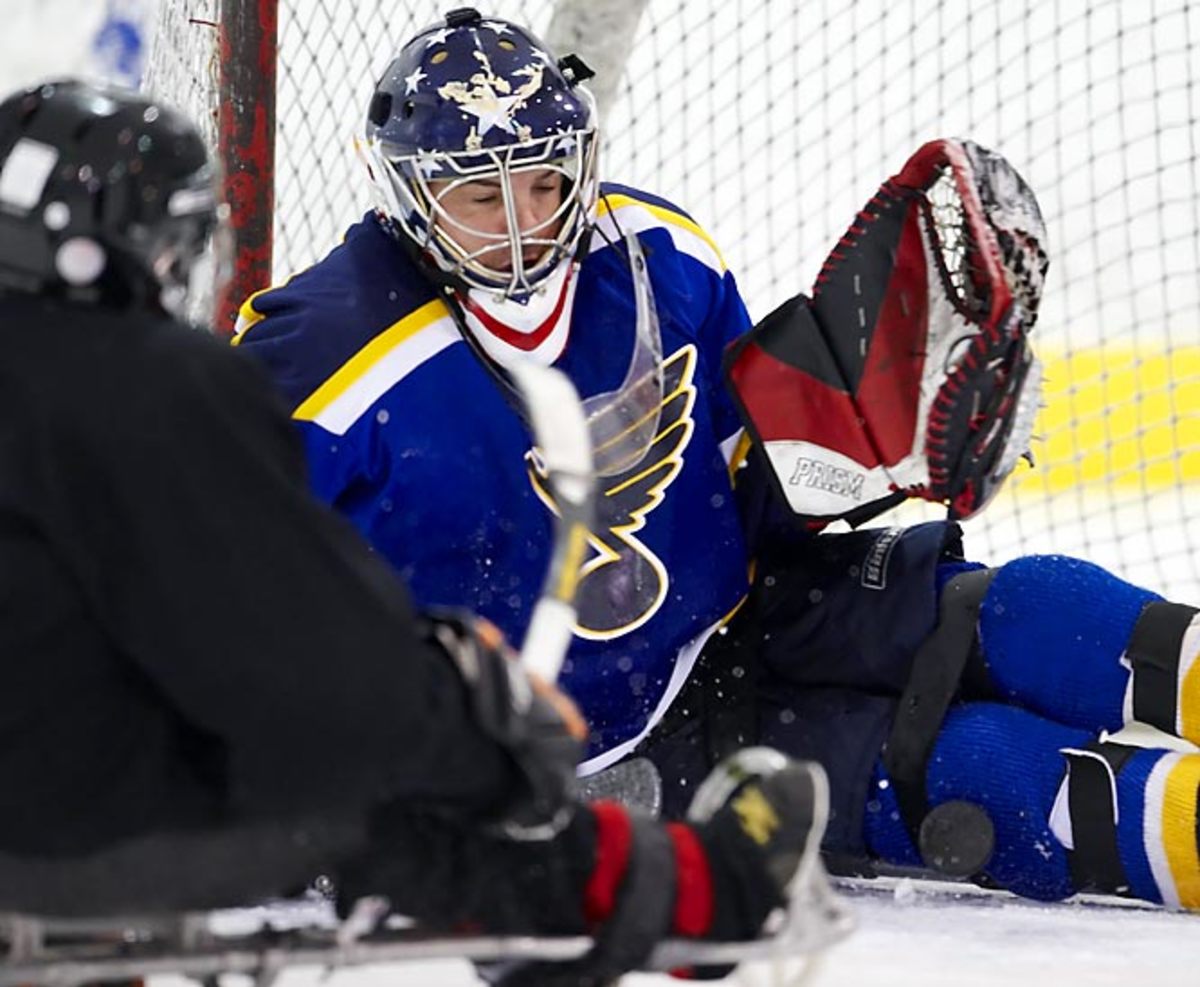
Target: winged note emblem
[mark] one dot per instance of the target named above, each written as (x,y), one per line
(623,583)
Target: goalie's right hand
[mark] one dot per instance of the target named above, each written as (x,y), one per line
(534,721)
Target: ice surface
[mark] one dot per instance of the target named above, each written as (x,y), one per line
(913,934)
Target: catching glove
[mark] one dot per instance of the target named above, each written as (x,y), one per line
(909,372)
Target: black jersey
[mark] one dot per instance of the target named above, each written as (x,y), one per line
(185,635)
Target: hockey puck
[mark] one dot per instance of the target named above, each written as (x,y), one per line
(957,839)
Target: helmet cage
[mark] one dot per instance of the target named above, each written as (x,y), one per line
(411,192)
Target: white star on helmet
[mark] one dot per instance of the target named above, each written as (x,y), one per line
(411,82)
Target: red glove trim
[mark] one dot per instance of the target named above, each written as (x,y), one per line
(694,902)
(614,838)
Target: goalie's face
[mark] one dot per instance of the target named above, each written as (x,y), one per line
(504,223)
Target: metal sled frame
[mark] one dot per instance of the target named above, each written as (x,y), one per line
(263,942)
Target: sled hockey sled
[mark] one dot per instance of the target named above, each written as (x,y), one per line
(156,906)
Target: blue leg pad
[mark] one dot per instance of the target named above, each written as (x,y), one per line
(1053,629)
(1007,761)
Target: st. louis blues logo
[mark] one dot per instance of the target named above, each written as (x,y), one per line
(493,99)
(624,583)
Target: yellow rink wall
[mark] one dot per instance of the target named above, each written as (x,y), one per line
(1120,416)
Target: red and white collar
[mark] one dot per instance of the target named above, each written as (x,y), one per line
(536,328)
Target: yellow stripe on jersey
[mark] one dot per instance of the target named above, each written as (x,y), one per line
(613,201)
(1179,828)
(740,452)
(248,316)
(342,379)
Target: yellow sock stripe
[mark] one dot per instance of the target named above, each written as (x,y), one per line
(1188,705)
(353,369)
(740,452)
(1179,828)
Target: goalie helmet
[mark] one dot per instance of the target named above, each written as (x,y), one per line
(105,196)
(476,98)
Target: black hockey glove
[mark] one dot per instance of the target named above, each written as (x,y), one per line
(535,723)
(445,868)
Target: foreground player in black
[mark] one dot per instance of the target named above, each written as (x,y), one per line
(194,647)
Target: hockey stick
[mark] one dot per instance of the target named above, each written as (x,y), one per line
(560,430)
(578,440)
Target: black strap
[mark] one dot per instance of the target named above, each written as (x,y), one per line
(937,672)
(859,516)
(1153,653)
(1091,797)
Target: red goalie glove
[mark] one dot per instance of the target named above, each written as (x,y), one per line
(909,372)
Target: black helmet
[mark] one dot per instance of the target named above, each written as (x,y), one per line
(105,196)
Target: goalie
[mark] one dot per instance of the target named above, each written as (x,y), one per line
(960,711)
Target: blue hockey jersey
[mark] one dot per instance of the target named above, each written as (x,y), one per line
(411,437)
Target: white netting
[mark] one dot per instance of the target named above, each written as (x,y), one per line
(772,122)
(183,65)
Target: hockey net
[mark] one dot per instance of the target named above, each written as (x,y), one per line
(772,122)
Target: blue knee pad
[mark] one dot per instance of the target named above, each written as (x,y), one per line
(1007,761)
(1052,629)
